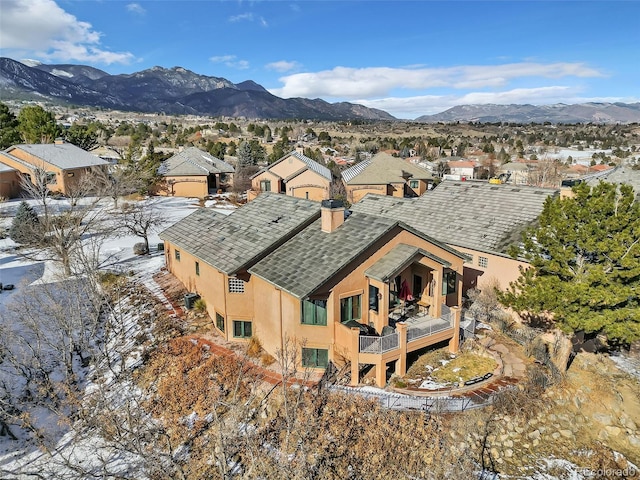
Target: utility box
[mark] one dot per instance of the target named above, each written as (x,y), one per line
(190,300)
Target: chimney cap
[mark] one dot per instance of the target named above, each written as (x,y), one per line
(332,203)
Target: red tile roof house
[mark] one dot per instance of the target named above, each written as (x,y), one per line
(283,268)
(466,169)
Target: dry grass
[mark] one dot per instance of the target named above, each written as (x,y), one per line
(254,347)
(462,367)
(267,359)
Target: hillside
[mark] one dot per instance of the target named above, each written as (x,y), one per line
(175,91)
(559,113)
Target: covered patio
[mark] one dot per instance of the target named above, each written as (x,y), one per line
(413,299)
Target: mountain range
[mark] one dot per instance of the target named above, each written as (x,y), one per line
(178,91)
(558,113)
(174,91)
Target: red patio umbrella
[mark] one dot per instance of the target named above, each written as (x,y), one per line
(405,292)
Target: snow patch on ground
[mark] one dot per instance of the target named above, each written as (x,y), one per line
(108,377)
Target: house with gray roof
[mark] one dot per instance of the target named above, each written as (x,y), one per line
(618,175)
(478,218)
(194,173)
(64,164)
(295,175)
(343,287)
(9,180)
(384,174)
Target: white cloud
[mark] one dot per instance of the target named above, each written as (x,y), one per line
(136,8)
(282,66)
(248,17)
(230,61)
(344,82)
(53,34)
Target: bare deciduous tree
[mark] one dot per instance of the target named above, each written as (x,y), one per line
(59,235)
(141,219)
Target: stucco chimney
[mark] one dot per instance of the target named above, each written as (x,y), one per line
(331,214)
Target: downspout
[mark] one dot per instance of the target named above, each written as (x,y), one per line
(281,326)
(224,302)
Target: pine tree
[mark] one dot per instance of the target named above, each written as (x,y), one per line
(245,155)
(585,263)
(25,227)
(9,134)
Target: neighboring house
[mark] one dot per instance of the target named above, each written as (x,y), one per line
(64,163)
(9,180)
(295,175)
(463,169)
(477,218)
(620,174)
(107,154)
(346,288)
(384,174)
(516,173)
(193,173)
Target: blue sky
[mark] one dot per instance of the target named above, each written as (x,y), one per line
(408,58)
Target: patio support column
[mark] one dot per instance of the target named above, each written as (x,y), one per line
(401,366)
(355,351)
(454,343)
(381,374)
(436,308)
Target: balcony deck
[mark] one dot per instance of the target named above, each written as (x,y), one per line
(419,326)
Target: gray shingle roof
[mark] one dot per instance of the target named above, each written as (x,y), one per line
(620,174)
(383,169)
(65,156)
(311,164)
(475,215)
(396,260)
(193,161)
(6,168)
(312,257)
(233,242)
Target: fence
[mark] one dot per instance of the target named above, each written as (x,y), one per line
(379,344)
(396,401)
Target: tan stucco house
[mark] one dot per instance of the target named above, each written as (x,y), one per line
(193,173)
(516,173)
(354,289)
(295,175)
(9,180)
(477,218)
(64,163)
(384,174)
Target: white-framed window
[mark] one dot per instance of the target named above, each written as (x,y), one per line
(414,183)
(236,285)
(483,262)
(265,185)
